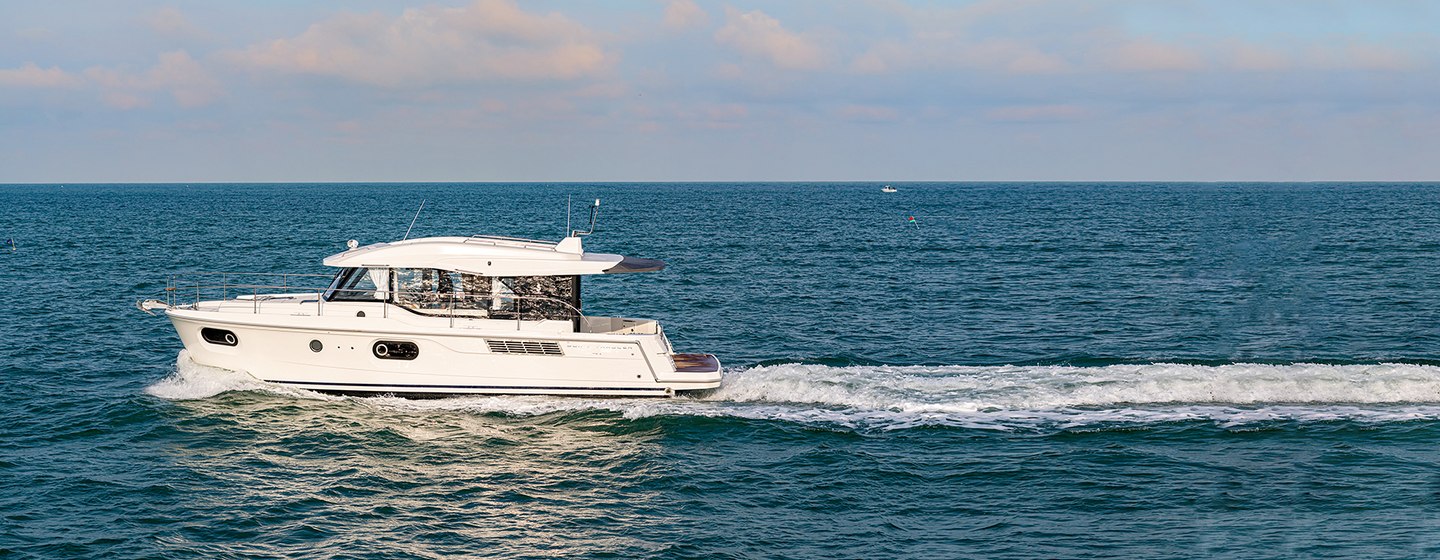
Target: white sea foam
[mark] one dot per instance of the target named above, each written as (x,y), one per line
(1002,397)
(194,381)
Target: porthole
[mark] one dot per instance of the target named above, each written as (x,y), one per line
(219,336)
(316,346)
(395,350)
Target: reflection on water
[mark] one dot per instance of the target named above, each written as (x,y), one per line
(408,481)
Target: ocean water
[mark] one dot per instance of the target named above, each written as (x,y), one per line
(1025,371)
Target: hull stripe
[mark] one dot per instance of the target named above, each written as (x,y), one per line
(482,387)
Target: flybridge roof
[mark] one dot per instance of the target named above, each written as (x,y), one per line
(491,256)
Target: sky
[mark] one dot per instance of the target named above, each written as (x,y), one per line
(692,90)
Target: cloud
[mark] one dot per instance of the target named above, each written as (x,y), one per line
(1030,37)
(759,35)
(937,53)
(1136,55)
(185,79)
(681,14)
(485,41)
(29,75)
(175,72)
(170,22)
(36,34)
(1013,37)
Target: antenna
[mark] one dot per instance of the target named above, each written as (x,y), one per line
(567,214)
(412,220)
(594,213)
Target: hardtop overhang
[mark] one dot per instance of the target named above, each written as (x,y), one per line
(492,256)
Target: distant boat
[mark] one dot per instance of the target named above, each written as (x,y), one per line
(888,188)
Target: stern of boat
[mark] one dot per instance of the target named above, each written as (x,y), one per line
(693,372)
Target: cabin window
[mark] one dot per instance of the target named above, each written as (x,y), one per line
(511,297)
(359,284)
(475,294)
(545,296)
(425,288)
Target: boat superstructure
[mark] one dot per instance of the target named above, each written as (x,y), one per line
(430,317)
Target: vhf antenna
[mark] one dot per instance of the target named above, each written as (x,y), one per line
(412,220)
(594,213)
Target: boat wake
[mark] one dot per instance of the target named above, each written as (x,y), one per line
(1000,397)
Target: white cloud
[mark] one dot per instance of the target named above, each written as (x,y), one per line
(759,35)
(170,22)
(29,75)
(175,72)
(486,40)
(681,14)
(1138,55)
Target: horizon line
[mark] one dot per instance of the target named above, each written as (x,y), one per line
(713,182)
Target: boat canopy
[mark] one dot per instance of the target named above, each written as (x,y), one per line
(492,256)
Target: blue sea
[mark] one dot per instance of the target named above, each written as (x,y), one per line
(1216,370)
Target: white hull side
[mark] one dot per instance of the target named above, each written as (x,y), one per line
(276,349)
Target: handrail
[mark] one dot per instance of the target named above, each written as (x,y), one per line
(504,238)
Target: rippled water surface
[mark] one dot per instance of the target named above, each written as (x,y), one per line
(1025,370)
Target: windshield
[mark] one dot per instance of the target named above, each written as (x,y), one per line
(358,284)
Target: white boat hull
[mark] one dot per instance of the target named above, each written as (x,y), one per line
(472,357)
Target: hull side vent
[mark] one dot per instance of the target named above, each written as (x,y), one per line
(525,347)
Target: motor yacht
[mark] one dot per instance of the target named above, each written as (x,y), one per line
(433,317)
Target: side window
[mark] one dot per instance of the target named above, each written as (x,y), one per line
(425,288)
(474,293)
(549,297)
